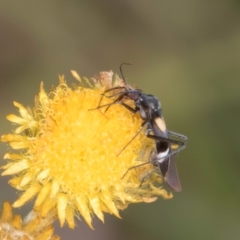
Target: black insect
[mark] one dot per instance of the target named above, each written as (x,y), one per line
(150,110)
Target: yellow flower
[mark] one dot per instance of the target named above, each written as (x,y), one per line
(68,157)
(33,227)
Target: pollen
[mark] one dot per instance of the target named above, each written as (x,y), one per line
(77,158)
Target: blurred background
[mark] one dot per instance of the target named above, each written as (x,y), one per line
(185,52)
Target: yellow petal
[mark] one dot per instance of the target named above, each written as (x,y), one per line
(61,79)
(106,198)
(54,189)
(70,216)
(43,98)
(16,119)
(7,165)
(7,212)
(43,194)
(76,76)
(22,110)
(19,145)
(149,199)
(26,179)
(95,203)
(15,182)
(84,210)
(16,168)
(88,82)
(47,205)
(17,222)
(120,193)
(43,174)
(21,128)
(61,207)
(13,156)
(27,195)
(12,137)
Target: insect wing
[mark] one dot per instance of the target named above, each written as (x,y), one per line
(169,171)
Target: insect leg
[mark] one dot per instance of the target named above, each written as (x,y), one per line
(185,138)
(129,169)
(162,138)
(147,176)
(143,125)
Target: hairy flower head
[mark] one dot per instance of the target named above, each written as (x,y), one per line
(67,155)
(32,228)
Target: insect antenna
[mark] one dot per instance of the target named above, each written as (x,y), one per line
(121,71)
